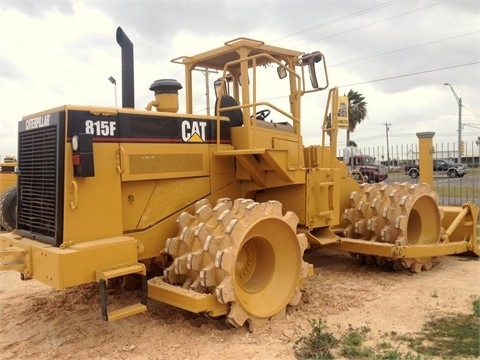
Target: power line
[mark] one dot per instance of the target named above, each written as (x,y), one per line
(411,74)
(374,8)
(371,9)
(403,49)
(339,19)
(394,77)
(374,23)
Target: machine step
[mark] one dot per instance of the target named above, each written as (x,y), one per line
(103,275)
(122,270)
(126,311)
(12,258)
(185,299)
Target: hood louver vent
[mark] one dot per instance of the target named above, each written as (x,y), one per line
(37,184)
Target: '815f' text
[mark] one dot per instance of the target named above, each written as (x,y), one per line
(100,127)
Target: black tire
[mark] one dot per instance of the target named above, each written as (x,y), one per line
(452,174)
(414,174)
(366,178)
(8,209)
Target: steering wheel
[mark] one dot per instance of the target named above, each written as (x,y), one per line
(262,114)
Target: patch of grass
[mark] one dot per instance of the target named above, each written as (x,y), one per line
(321,344)
(454,190)
(318,344)
(455,336)
(476,306)
(351,343)
(386,351)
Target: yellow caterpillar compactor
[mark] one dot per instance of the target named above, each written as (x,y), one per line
(212,212)
(8,193)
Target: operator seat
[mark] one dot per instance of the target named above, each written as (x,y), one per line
(235,115)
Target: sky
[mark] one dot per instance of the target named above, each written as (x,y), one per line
(398,54)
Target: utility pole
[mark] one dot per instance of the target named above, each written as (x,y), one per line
(387,127)
(459,102)
(206,72)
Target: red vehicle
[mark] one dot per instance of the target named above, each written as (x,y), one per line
(367,167)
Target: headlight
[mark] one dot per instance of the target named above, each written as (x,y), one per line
(75,142)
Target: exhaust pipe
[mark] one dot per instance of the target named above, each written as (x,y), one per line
(128,85)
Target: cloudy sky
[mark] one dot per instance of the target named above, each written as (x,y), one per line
(398,54)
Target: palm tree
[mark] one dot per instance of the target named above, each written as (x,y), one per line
(357,111)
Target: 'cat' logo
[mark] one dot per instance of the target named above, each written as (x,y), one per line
(194,131)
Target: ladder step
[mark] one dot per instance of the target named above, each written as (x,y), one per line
(126,311)
(114,272)
(13,266)
(12,251)
(185,299)
(13,258)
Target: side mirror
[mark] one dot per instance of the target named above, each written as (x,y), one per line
(310,60)
(282,73)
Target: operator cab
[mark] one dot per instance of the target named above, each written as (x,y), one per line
(257,81)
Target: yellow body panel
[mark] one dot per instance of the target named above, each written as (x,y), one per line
(7,181)
(93,201)
(145,205)
(69,266)
(8,176)
(164,161)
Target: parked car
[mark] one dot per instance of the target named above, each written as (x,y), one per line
(446,167)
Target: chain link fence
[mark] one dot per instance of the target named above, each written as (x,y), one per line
(452,187)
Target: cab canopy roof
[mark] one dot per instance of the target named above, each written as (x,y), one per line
(234,50)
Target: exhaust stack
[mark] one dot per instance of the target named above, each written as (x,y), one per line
(128,85)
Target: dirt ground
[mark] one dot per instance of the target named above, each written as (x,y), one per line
(38,322)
